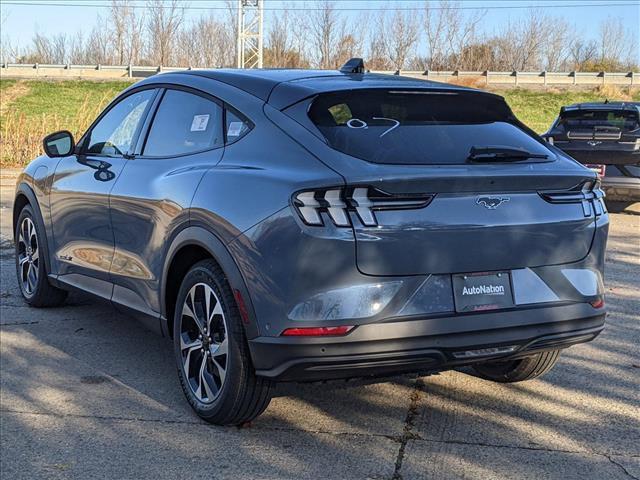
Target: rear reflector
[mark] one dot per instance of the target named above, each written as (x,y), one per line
(242,308)
(316,331)
(599,303)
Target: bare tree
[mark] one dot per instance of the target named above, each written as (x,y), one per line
(520,45)
(206,43)
(582,53)
(126,29)
(98,44)
(401,37)
(326,28)
(377,58)
(557,45)
(165,20)
(279,43)
(448,31)
(616,44)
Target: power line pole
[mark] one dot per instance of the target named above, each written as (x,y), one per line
(249,40)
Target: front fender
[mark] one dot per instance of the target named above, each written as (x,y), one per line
(25,190)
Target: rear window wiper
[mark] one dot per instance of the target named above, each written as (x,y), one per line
(501,154)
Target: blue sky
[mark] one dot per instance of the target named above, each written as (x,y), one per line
(20,22)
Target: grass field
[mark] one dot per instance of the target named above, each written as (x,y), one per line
(29,109)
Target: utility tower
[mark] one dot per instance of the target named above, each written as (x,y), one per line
(249,41)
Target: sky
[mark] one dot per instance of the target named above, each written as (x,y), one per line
(22,18)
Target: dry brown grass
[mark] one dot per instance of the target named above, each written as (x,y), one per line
(21,135)
(472,82)
(613,92)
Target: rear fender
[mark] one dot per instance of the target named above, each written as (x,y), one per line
(201,237)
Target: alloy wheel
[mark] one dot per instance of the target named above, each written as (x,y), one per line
(28,257)
(203,342)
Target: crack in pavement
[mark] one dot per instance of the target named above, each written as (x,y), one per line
(626,472)
(401,440)
(522,447)
(407,433)
(19,323)
(195,422)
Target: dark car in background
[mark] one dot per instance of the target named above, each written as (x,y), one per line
(605,137)
(301,225)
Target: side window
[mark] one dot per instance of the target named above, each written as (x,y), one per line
(184,123)
(114,133)
(236,125)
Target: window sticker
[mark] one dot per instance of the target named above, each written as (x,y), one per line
(234,129)
(199,123)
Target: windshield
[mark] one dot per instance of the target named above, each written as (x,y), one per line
(625,120)
(417,127)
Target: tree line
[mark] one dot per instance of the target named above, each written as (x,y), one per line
(439,36)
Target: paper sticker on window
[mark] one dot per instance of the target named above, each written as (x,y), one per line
(234,129)
(199,123)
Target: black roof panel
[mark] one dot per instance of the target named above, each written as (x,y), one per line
(602,106)
(283,87)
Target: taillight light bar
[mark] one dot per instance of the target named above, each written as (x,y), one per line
(364,201)
(587,193)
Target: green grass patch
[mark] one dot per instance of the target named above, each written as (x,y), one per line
(6,83)
(538,109)
(64,98)
(33,108)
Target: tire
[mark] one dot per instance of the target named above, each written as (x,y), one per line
(31,271)
(519,370)
(214,365)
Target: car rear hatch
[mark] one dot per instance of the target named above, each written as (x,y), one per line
(599,135)
(449,181)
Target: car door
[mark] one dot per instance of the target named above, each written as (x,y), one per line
(150,202)
(82,234)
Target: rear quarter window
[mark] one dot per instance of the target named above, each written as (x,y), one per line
(184,123)
(417,127)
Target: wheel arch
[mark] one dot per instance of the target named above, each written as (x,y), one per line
(25,196)
(190,246)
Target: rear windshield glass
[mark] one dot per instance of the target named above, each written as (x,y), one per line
(625,120)
(416,127)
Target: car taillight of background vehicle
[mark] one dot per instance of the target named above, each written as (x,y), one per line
(362,200)
(599,169)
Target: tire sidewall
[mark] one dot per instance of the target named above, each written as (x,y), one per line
(228,395)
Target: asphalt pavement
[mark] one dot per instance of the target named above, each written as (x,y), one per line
(86,392)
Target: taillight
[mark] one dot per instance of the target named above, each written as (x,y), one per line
(587,193)
(363,201)
(317,331)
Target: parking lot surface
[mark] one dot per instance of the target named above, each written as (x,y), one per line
(88,393)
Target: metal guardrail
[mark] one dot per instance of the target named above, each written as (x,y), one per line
(478,78)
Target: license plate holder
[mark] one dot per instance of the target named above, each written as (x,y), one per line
(482,291)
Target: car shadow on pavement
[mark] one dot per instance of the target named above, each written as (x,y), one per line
(86,391)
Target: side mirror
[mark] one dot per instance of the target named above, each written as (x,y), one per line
(58,144)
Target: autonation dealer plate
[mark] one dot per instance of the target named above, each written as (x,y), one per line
(473,292)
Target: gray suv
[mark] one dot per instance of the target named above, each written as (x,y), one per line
(297,225)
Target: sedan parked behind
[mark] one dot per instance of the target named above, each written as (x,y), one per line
(300,225)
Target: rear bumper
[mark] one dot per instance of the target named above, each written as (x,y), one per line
(621,190)
(425,344)
(619,156)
